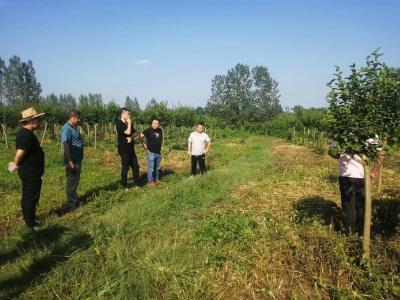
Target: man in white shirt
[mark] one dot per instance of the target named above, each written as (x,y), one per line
(199,143)
(352,187)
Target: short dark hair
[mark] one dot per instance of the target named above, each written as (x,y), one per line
(124,109)
(155,119)
(74,113)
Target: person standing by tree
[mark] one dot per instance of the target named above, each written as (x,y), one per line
(154,138)
(29,161)
(199,143)
(73,156)
(352,186)
(126,148)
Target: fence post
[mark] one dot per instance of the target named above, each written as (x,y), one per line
(294,135)
(381,170)
(44,134)
(3,126)
(95,136)
(88,131)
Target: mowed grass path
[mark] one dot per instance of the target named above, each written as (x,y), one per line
(133,224)
(261,225)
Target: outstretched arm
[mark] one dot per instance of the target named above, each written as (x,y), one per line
(378,164)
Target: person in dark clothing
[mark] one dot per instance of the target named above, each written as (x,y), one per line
(73,156)
(29,161)
(154,139)
(126,149)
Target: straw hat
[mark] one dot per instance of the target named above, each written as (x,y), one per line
(30,114)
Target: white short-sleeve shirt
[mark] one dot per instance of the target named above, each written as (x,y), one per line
(199,142)
(350,166)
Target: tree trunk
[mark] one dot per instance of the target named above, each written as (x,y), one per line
(368,210)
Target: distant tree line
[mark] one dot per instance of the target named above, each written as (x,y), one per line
(244,98)
(20,89)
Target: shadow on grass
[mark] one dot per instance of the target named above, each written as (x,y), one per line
(165,172)
(332,178)
(33,240)
(317,207)
(56,241)
(92,193)
(385,213)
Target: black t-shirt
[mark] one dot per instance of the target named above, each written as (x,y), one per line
(32,164)
(154,139)
(123,144)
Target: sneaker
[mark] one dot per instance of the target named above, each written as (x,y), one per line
(152,184)
(34,228)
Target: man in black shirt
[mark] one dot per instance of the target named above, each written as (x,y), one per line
(154,139)
(29,161)
(126,148)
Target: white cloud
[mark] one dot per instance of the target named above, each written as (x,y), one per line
(144,61)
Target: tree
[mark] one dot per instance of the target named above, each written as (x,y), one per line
(362,106)
(158,110)
(184,116)
(132,104)
(243,96)
(92,108)
(2,76)
(112,111)
(20,84)
(266,94)
(395,72)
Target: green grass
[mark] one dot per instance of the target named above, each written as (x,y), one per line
(123,219)
(260,224)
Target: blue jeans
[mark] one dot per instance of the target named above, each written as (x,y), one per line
(153,166)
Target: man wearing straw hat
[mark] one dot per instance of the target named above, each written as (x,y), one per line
(29,161)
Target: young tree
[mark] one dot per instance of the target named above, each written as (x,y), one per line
(363,106)
(2,76)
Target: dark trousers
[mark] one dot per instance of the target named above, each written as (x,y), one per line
(129,160)
(201,160)
(73,177)
(352,192)
(30,199)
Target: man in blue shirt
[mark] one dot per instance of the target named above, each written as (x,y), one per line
(73,156)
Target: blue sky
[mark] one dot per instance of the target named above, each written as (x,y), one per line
(172,49)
